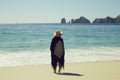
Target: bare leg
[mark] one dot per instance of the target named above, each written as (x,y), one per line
(59,68)
(54,70)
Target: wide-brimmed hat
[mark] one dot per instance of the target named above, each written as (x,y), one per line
(57,33)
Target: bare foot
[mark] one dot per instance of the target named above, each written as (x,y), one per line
(59,71)
(55,71)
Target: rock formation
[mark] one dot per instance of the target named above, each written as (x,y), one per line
(117,19)
(80,20)
(107,20)
(63,20)
(83,20)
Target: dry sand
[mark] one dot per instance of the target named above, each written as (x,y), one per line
(73,71)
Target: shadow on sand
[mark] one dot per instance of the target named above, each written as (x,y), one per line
(70,74)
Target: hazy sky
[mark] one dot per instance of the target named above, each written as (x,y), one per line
(51,11)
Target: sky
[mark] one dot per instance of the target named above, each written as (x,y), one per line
(51,11)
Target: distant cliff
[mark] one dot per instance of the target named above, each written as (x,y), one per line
(107,20)
(117,19)
(83,20)
(63,21)
(80,20)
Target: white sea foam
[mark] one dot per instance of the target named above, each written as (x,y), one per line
(72,55)
(93,54)
(24,58)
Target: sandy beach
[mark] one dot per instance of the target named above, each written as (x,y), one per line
(73,71)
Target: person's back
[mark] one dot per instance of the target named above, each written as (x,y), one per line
(58,49)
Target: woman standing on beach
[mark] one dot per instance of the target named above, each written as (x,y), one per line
(57,51)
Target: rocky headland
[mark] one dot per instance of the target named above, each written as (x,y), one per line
(83,20)
(107,20)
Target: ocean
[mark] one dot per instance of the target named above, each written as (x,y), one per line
(28,44)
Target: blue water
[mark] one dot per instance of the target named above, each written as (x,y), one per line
(19,42)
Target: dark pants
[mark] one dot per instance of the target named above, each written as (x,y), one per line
(55,60)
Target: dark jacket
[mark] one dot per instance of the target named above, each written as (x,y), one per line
(53,43)
(54,58)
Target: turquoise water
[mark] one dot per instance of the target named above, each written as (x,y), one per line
(19,42)
(22,37)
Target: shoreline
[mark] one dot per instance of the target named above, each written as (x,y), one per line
(78,55)
(100,70)
(25,65)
